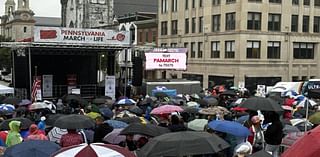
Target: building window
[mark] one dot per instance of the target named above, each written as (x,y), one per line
(230,21)
(295,2)
(215,49)
(201,24)
(215,23)
(229,49)
(200,3)
(274,22)
(316,3)
(254,21)
(193,50)
(254,0)
(154,36)
(253,49)
(273,50)
(193,25)
(186,2)
(140,36)
(200,49)
(193,3)
(163,45)
(24,29)
(230,1)
(186,26)
(147,37)
(303,50)
(306,2)
(173,45)
(164,28)
(294,23)
(174,5)
(216,2)
(274,1)
(305,26)
(186,45)
(174,27)
(316,24)
(164,6)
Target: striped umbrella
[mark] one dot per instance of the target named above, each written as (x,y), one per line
(55,134)
(126,102)
(7,107)
(94,150)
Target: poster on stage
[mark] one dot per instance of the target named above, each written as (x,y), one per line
(110,86)
(47,85)
(166,59)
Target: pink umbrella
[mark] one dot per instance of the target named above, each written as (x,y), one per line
(166,109)
(93,150)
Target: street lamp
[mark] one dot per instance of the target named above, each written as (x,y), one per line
(100,61)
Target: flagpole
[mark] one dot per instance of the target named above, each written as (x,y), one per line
(307,114)
(30,73)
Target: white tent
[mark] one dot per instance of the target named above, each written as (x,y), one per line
(6,90)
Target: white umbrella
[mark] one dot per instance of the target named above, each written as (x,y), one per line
(197,124)
(55,134)
(192,104)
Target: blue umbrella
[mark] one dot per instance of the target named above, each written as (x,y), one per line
(106,112)
(116,124)
(242,119)
(32,148)
(126,102)
(229,127)
(25,102)
(7,107)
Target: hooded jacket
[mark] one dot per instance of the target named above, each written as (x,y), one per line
(14,137)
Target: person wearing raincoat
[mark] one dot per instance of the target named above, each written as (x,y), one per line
(14,136)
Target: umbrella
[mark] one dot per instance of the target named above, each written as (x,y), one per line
(148,100)
(300,124)
(135,110)
(114,137)
(25,123)
(74,121)
(192,110)
(144,129)
(195,96)
(261,153)
(315,118)
(160,94)
(289,128)
(183,143)
(25,102)
(229,92)
(197,124)
(93,150)
(166,109)
(51,118)
(32,148)
(193,104)
(98,101)
(72,97)
(214,111)
(130,120)
(106,112)
(306,146)
(38,105)
(291,138)
(55,134)
(288,108)
(229,127)
(11,100)
(239,109)
(260,103)
(242,119)
(211,101)
(7,107)
(289,93)
(126,102)
(303,102)
(116,124)
(203,103)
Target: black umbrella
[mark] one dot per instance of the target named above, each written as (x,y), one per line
(135,110)
(25,123)
(192,110)
(144,129)
(261,153)
(51,118)
(147,101)
(74,121)
(229,92)
(211,101)
(99,101)
(74,98)
(11,100)
(260,103)
(183,144)
(130,120)
(203,103)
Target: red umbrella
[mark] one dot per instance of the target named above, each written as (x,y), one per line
(166,109)
(93,150)
(306,146)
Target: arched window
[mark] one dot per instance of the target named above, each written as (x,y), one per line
(24,3)
(71,25)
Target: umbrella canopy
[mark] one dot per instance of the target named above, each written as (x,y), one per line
(300,124)
(106,112)
(116,124)
(25,102)
(211,101)
(51,118)
(148,100)
(32,148)
(229,92)
(291,138)
(39,105)
(260,103)
(193,104)
(166,109)
(11,100)
(306,146)
(305,101)
(261,153)
(229,127)
(74,121)
(197,124)
(214,111)
(135,110)
(144,129)
(25,123)
(126,102)
(315,118)
(160,94)
(7,107)
(76,98)
(195,96)
(242,119)
(93,150)
(192,110)
(130,120)
(289,128)
(114,137)
(99,101)
(55,134)
(182,144)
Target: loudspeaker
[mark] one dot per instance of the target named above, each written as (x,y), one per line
(137,71)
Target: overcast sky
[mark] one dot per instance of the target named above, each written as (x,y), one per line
(49,8)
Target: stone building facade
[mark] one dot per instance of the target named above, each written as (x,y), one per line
(17,23)
(251,41)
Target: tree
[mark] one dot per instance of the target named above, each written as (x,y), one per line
(5,55)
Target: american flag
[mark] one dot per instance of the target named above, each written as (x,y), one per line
(35,86)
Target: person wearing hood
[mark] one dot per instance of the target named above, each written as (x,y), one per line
(35,134)
(42,124)
(14,136)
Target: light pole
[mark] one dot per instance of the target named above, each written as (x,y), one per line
(100,62)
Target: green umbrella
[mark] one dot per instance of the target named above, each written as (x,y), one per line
(315,118)
(197,124)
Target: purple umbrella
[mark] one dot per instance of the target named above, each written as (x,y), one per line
(25,102)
